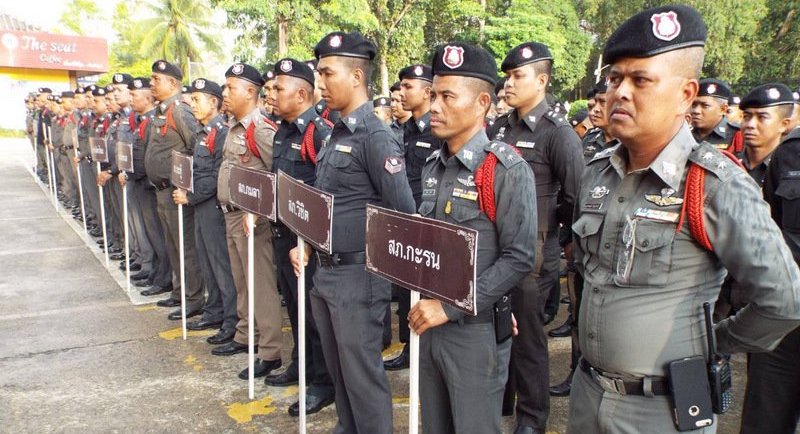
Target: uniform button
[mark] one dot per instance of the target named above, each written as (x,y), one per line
(645,243)
(607,245)
(596,290)
(620,199)
(591,335)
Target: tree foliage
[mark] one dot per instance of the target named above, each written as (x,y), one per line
(76,14)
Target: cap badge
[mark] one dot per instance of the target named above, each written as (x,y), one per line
(237,68)
(773,93)
(162,65)
(335,41)
(200,84)
(137,84)
(666,26)
(418,71)
(712,88)
(286,65)
(527,53)
(453,56)
(117,78)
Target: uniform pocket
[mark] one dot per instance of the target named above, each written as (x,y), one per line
(645,258)
(587,231)
(463,214)
(789,192)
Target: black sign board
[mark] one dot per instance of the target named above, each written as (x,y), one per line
(99,148)
(437,259)
(253,191)
(308,212)
(125,156)
(182,176)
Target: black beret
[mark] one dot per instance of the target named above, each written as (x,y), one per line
(656,31)
(57,99)
(600,87)
(715,88)
(99,91)
(796,96)
(418,72)
(139,83)
(121,78)
(166,68)
(767,95)
(395,87)
(45,90)
(269,73)
(578,117)
(466,60)
(312,64)
(591,93)
(382,102)
(246,73)
(185,89)
(734,100)
(206,86)
(109,88)
(67,94)
(343,44)
(501,84)
(524,54)
(294,68)
(90,88)
(50,98)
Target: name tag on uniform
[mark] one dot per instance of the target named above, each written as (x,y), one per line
(658,215)
(425,145)
(528,145)
(465,194)
(296,146)
(343,148)
(793,174)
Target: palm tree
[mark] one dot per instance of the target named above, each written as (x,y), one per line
(179,32)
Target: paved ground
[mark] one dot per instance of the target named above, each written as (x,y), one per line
(77,354)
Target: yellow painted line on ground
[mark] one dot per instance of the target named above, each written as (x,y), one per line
(400,400)
(286,329)
(177,333)
(191,360)
(393,349)
(243,412)
(146,308)
(291,391)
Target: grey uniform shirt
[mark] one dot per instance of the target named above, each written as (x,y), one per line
(206,162)
(645,284)
(180,135)
(506,247)
(721,136)
(236,153)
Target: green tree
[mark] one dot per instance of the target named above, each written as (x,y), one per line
(179,32)
(125,52)
(77,13)
(774,54)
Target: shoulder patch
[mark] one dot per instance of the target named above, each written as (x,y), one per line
(713,160)
(506,154)
(604,154)
(558,118)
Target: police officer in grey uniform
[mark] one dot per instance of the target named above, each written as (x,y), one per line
(484,186)
(647,273)
(598,139)
(361,164)
(551,148)
(173,128)
(298,141)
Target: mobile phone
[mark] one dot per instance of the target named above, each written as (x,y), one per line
(502,319)
(691,393)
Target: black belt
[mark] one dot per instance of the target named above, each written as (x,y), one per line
(227,208)
(615,384)
(348,258)
(161,185)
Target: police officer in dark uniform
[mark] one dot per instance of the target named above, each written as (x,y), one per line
(361,164)
(766,117)
(298,141)
(485,186)
(219,310)
(399,115)
(709,121)
(551,148)
(597,139)
(382,107)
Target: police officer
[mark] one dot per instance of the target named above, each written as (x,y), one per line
(484,186)
(85,129)
(766,117)
(709,122)
(249,144)
(382,107)
(501,107)
(361,164)
(297,143)
(647,272)
(269,93)
(173,128)
(399,115)
(734,114)
(599,138)
(219,310)
(320,105)
(418,145)
(773,378)
(42,121)
(552,150)
(580,123)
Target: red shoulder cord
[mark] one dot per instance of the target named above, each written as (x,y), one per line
(210,139)
(737,143)
(62,121)
(250,136)
(143,127)
(693,198)
(132,120)
(484,181)
(105,127)
(326,114)
(307,149)
(170,121)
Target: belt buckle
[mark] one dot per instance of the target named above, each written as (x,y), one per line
(324,260)
(609,384)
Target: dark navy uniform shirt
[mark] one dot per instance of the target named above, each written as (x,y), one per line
(289,140)
(782,190)
(205,164)
(419,144)
(721,136)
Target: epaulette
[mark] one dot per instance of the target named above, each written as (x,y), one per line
(592,134)
(322,122)
(558,118)
(713,160)
(434,155)
(605,153)
(507,155)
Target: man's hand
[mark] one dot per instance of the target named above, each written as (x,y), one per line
(122,178)
(103,177)
(294,256)
(76,160)
(426,314)
(179,197)
(514,329)
(245,226)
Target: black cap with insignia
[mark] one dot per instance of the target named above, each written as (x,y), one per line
(578,117)
(417,72)
(294,68)
(110,88)
(656,31)
(80,90)
(121,78)
(45,90)
(524,54)
(767,95)
(166,68)
(206,86)
(312,64)
(382,102)
(139,83)
(98,91)
(269,73)
(501,84)
(245,72)
(68,94)
(343,44)
(715,88)
(465,60)
(734,101)
(395,87)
